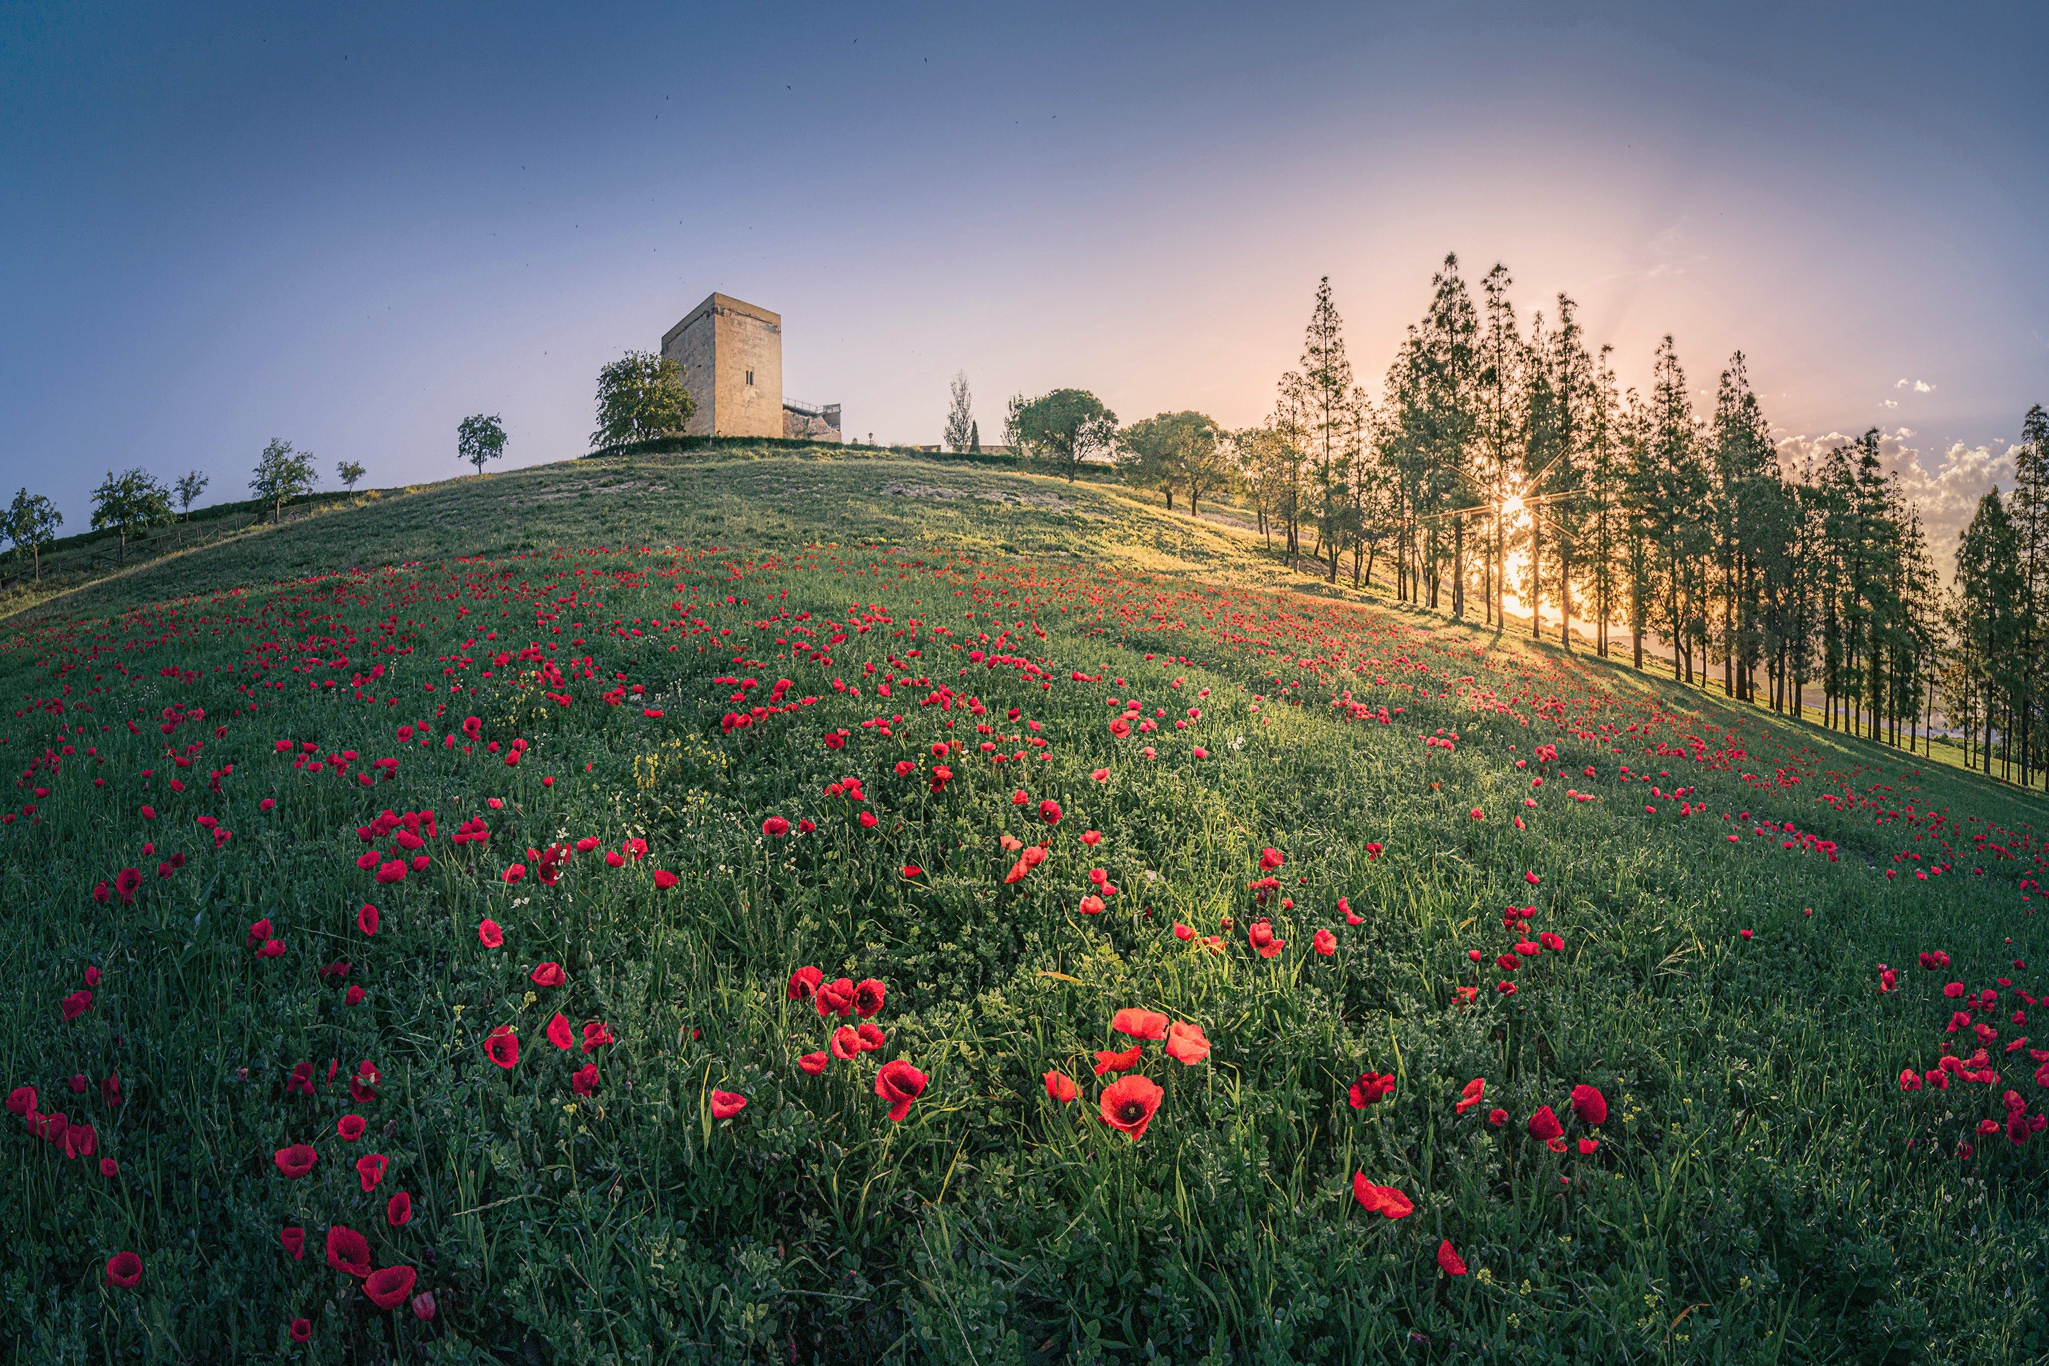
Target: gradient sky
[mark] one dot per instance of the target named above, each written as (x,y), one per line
(351,226)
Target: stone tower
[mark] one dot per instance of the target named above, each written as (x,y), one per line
(732,358)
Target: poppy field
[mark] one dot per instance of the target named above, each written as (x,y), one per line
(632,943)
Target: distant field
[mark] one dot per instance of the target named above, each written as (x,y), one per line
(1492,1004)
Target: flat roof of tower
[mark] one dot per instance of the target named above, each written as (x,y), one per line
(716,301)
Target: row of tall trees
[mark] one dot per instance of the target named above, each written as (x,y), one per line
(1998,619)
(1503,456)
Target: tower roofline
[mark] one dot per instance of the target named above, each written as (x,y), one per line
(716,302)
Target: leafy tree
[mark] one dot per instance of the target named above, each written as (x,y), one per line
(348,471)
(1064,428)
(960,417)
(188,488)
(32,522)
(975,437)
(281,474)
(640,397)
(1174,450)
(1989,583)
(480,438)
(131,504)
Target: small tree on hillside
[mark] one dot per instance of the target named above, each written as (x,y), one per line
(640,397)
(1174,450)
(32,522)
(188,488)
(1064,428)
(349,472)
(480,438)
(281,474)
(131,504)
(960,418)
(975,437)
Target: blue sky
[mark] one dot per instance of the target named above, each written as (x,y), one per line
(352,226)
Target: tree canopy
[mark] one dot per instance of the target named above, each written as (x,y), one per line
(1063,428)
(282,474)
(640,397)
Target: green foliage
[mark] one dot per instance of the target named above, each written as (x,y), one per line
(1176,451)
(349,472)
(282,474)
(31,523)
(188,488)
(961,434)
(480,438)
(1063,428)
(131,503)
(640,397)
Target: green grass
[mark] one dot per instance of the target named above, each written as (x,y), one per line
(1762,1190)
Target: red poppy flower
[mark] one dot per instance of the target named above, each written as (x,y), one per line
(1128,1105)
(726,1104)
(664,880)
(296,1160)
(836,998)
(21,1101)
(489,934)
(803,984)
(502,1045)
(1370,1088)
(845,1043)
(127,883)
(1260,935)
(1587,1146)
(1119,1062)
(1382,1200)
(398,1211)
(389,1287)
(1324,942)
(1470,1096)
(109,1168)
(1497,1118)
(370,1170)
(294,1239)
(80,1140)
(899,1083)
(813,1063)
(1544,1125)
(366,920)
(869,995)
(350,1127)
(1061,1087)
(124,1269)
(259,931)
(596,1036)
(584,1080)
(561,1034)
(348,1251)
(547,975)
(775,827)
(1139,1024)
(302,1330)
(76,1004)
(1452,1263)
(1589,1104)
(1049,811)
(1186,1043)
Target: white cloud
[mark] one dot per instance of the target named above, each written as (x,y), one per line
(1945,487)
(1922,386)
(1890,403)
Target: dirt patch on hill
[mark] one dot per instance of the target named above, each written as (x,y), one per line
(1051,501)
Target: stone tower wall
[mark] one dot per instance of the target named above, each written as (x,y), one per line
(719,344)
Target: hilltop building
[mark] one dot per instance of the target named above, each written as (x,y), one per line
(732,358)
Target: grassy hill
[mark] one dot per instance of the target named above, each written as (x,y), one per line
(616,748)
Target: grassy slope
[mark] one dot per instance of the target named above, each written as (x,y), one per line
(1754,1197)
